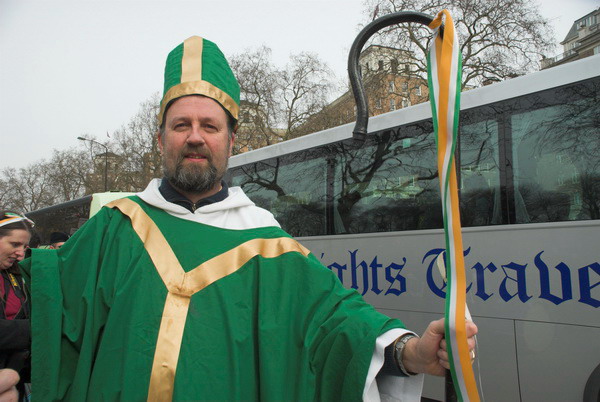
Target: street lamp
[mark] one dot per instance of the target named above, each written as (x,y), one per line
(105,159)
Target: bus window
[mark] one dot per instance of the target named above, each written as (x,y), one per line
(388,184)
(533,157)
(479,173)
(66,217)
(292,188)
(556,151)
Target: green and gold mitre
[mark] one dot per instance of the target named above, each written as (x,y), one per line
(198,67)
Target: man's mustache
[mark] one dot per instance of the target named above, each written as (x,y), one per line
(196,151)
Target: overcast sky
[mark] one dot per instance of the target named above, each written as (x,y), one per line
(82,67)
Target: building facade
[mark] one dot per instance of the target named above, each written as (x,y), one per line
(390,83)
(583,40)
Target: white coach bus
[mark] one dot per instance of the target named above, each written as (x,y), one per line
(529,157)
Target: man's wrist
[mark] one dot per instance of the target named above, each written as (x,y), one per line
(400,350)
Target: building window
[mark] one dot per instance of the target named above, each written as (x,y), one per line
(392,87)
(589,21)
(597,50)
(405,103)
(392,104)
(394,65)
(404,86)
(378,104)
(380,65)
(418,90)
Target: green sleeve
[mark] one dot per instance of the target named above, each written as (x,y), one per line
(342,340)
(70,298)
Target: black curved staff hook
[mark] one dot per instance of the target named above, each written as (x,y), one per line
(360,97)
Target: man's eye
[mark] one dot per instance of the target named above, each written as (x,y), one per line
(179,126)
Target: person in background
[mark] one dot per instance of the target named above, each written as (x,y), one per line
(15,332)
(34,242)
(57,239)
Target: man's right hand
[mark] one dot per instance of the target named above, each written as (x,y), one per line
(429,354)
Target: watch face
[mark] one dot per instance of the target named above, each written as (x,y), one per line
(400,345)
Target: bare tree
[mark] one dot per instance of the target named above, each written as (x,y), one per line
(5,191)
(137,147)
(259,84)
(276,102)
(44,183)
(499,39)
(306,85)
(69,174)
(29,188)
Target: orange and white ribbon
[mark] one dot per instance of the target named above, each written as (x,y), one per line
(444,73)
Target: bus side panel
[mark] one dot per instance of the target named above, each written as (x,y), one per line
(496,365)
(555,360)
(534,272)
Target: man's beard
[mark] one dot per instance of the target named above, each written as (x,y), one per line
(192,178)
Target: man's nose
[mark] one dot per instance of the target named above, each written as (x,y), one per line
(196,136)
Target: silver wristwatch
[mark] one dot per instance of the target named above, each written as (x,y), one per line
(399,351)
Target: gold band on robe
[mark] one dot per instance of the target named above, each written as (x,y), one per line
(182,285)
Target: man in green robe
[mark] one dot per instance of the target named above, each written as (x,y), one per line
(188,291)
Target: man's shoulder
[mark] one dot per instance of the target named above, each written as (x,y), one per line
(251,215)
(260,215)
(237,211)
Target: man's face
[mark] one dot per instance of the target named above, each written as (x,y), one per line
(12,247)
(195,145)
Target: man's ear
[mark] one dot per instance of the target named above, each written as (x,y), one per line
(232,140)
(160,142)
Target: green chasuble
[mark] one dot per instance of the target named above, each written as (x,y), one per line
(265,320)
